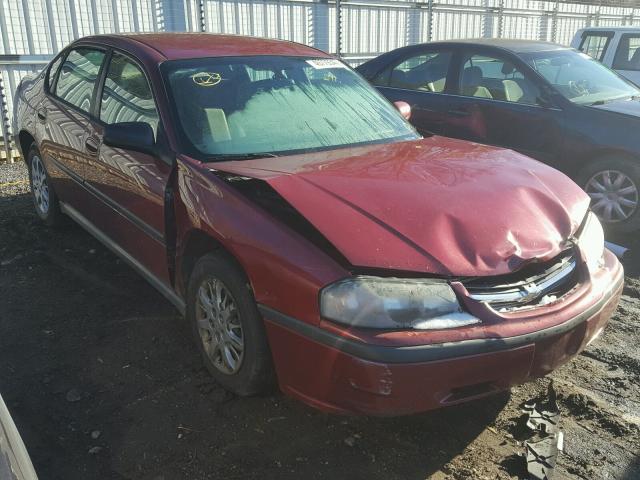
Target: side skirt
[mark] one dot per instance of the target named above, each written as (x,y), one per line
(168,293)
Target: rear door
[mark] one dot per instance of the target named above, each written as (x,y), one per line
(63,121)
(627,57)
(420,79)
(497,101)
(129,186)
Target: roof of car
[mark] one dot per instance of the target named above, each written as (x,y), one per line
(174,46)
(628,28)
(516,46)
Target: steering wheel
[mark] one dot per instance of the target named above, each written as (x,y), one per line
(579,87)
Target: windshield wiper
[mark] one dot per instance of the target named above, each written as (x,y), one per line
(609,100)
(240,156)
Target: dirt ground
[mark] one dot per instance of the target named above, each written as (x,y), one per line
(102,379)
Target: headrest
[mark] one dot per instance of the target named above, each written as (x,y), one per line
(472,76)
(507,68)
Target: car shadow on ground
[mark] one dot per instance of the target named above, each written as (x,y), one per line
(103,380)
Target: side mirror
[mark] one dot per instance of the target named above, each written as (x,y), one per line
(136,136)
(404,108)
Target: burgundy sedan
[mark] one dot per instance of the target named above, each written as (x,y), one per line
(310,236)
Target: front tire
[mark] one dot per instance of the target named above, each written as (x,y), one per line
(613,184)
(227,326)
(45,200)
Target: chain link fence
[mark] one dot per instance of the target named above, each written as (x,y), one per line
(32,31)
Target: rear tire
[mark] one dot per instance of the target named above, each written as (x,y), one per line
(227,326)
(45,200)
(613,183)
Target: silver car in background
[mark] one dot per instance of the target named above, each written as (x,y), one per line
(15,463)
(616,47)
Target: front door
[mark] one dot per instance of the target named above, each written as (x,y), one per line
(129,185)
(496,103)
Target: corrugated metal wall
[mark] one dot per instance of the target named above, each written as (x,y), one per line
(31,31)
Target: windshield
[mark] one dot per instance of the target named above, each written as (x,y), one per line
(580,78)
(235,106)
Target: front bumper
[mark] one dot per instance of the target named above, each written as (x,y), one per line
(340,374)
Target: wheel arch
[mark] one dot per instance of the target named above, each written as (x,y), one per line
(195,244)
(25,140)
(601,154)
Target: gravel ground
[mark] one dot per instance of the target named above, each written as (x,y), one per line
(103,382)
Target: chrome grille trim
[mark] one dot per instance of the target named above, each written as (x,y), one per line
(557,277)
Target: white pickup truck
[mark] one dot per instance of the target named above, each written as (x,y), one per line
(616,47)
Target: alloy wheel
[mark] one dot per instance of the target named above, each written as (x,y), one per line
(219,325)
(39,185)
(614,196)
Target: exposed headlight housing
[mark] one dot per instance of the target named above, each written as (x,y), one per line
(393,303)
(591,241)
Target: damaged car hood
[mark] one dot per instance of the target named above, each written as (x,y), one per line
(434,205)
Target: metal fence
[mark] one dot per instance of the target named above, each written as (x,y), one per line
(32,31)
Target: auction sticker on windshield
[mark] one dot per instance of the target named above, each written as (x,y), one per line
(319,64)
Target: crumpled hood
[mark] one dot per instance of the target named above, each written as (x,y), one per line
(435,205)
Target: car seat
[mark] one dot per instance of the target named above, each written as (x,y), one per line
(472,83)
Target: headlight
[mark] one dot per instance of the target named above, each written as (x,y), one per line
(392,303)
(591,241)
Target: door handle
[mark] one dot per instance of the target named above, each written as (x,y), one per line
(91,144)
(459,113)
(42,114)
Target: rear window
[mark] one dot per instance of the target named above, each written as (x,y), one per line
(628,53)
(425,71)
(53,72)
(595,44)
(78,76)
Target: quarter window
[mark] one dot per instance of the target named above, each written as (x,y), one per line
(426,72)
(595,44)
(496,79)
(127,96)
(78,76)
(53,71)
(628,53)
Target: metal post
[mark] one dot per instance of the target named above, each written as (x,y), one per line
(500,18)
(5,129)
(134,14)
(554,22)
(338,28)
(319,28)
(487,20)
(414,25)
(203,19)
(430,20)
(74,19)
(173,14)
(51,26)
(27,26)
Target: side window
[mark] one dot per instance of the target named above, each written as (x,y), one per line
(78,76)
(497,79)
(127,95)
(595,44)
(425,71)
(628,53)
(53,71)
